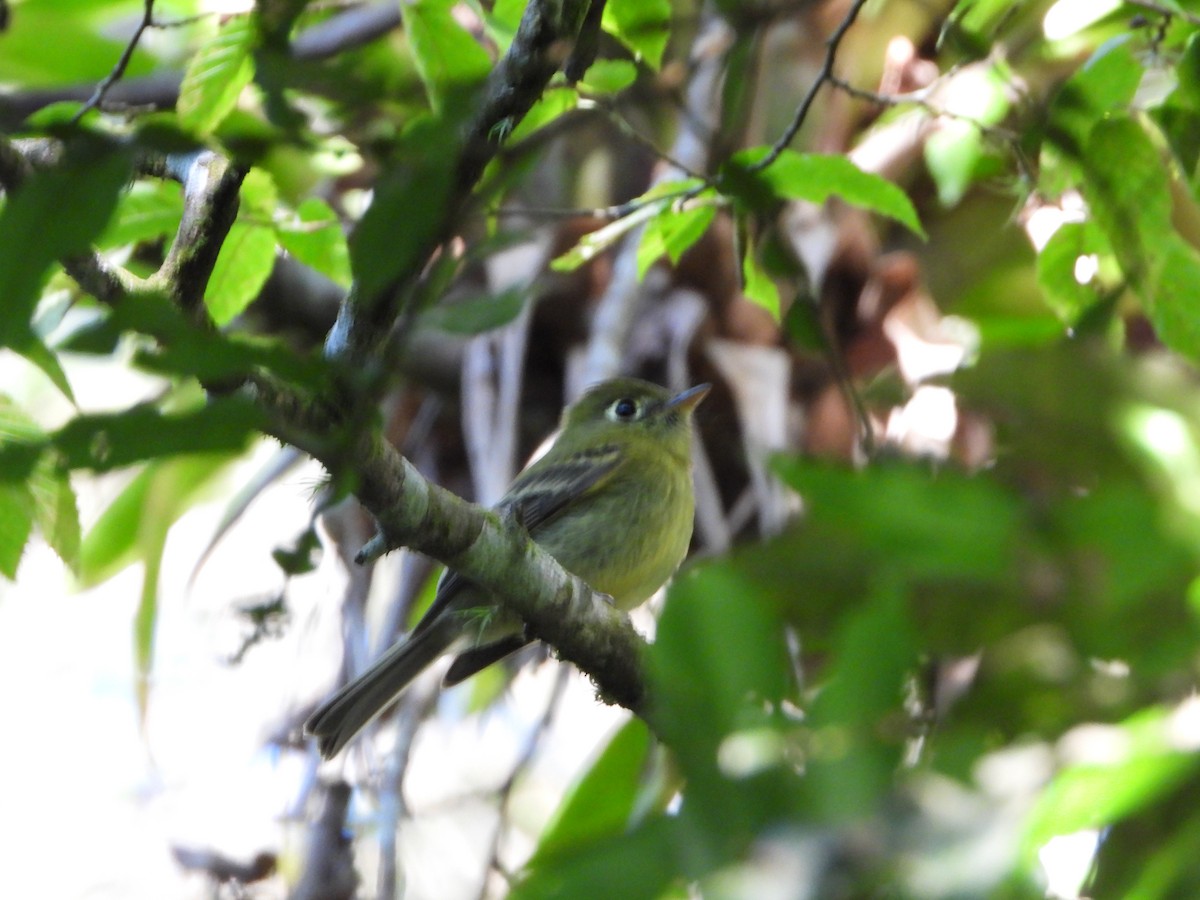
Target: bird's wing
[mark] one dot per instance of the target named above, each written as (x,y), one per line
(549,486)
(537,496)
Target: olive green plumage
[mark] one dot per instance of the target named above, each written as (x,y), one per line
(611,500)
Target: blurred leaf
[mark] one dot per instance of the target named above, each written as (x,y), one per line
(34,350)
(475,315)
(82,52)
(450,61)
(602,802)
(803,324)
(147,211)
(943,524)
(216,75)
(757,285)
(609,76)
(42,495)
(1105,84)
(714,660)
(1152,853)
(105,441)
(16,525)
(856,725)
(956,151)
(644,26)
(56,212)
(407,211)
(136,522)
(815,177)
(550,106)
(1127,187)
(316,239)
(181,348)
(1136,763)
(1058,263)
(639,865)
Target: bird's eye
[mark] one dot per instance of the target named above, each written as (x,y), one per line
(624,409)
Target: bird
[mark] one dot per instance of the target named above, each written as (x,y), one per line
(611,500)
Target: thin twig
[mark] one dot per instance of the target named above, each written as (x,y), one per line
(527,753)
(122,64)
(1162,9)
(920,100)
(605,105)
(823,76)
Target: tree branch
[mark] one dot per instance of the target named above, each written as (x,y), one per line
(543,42)
(823,76)
(484,547)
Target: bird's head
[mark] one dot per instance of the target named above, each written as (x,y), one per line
(631,407)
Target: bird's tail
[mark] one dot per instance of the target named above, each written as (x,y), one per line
(348,711)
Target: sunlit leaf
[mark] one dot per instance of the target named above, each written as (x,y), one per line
(216,75)
(147,211)
(316,239)
(673,232)
(1136,762)
(609,76)
(816,177)
(644,26)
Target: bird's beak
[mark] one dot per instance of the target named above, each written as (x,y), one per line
(689,399)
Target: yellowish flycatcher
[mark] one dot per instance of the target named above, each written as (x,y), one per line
(611,500)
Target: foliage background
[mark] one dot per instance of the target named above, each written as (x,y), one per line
(939,638)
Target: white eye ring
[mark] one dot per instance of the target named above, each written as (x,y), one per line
(623,410)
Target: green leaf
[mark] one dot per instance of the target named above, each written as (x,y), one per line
(16,525)
(82,51)
(35,350)
(644,26)
(1141,759)
(1187,71)
(407,211)
(136,522)
(147,211)
(475,315)
(315,238)
(553,103)
(757,285)
(56,212)
(602,802)
(856,724)
(106,441)
(243,267)
(1105,84)
(1057,267)
(815,177)
(956,152)
(944,524)
(674,230)
(1128,190)
(636,866)
(42,495)
(711,656)
(216,75)
(646,207)
(609,76)
(449,60)
(593,244)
